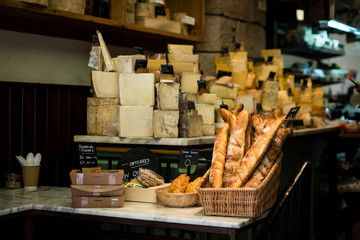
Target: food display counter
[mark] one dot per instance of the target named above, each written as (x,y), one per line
(56,202)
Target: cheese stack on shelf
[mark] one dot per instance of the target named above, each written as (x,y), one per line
(166,117)
(137,98)
(182,58)
(95,188)
(206,108)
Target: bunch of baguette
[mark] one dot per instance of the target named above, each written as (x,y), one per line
(246,148)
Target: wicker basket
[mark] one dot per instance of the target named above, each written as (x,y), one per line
(240,202)
(176,199)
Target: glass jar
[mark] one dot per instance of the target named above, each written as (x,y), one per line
(12,180)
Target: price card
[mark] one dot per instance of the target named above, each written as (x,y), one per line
(138,51)
(291,115)
(87,155)
(222,74)
(167,69)
(140,63)
(189,157)
(188,20)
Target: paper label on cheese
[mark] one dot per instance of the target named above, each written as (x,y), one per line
(137,89)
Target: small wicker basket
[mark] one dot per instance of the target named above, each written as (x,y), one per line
(240,202)
(176,199)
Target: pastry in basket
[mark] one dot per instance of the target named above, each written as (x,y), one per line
(191,188)
(179,184)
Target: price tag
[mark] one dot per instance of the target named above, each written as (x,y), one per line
(201,84)
(140,63)
(167,69)
(188,20)
(190,105)
(291,115)
(87,155)
(138,51)
(189,157)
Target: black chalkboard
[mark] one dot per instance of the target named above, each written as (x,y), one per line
(189,157)
(140,63)
(136,158)
(87,155)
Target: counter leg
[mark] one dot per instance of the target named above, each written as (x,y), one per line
(29,227)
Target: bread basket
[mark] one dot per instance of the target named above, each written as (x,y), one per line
(176,199)
(240,202)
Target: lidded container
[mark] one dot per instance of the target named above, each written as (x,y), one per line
(12,180)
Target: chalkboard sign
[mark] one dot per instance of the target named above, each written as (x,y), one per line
(292,113)
(223,73)
(87,155)
(138,51)
(189,157)
(167,69)
(140,63)
(136,158)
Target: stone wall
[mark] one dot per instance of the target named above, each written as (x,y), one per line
(228,22)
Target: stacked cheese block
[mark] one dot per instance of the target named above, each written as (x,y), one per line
(186,64)
(95,188)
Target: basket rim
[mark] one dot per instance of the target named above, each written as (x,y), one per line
(163,192)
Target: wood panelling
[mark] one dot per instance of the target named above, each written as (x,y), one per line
(41,118)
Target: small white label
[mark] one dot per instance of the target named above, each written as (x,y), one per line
(157,2)
(79,178)
(188,20)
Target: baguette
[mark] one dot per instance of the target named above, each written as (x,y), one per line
(255,154)
(236,148)
(218,157)
(269,159)
(238,109)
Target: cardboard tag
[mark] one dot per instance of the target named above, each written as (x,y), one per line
(167,69)
(87,155)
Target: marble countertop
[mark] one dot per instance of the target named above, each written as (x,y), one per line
(184,141)
(58,199)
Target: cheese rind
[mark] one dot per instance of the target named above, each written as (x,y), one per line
(137,89)
(179,58)
(106,84)
(135,121)
(125,64)
(223,92)
(189,82)
(166,124)
(180,49)
(208,129)
(209,98)
(207,111)
(190,125)
(185,67)
(168,96)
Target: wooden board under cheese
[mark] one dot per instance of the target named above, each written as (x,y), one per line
(106,84)
(135,121)
(168,95)
(189,82)
(166,123)
(137,89)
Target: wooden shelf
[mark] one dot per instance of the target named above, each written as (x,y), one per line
(23,17)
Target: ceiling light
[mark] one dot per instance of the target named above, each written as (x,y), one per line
(300,14)
(339,26)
